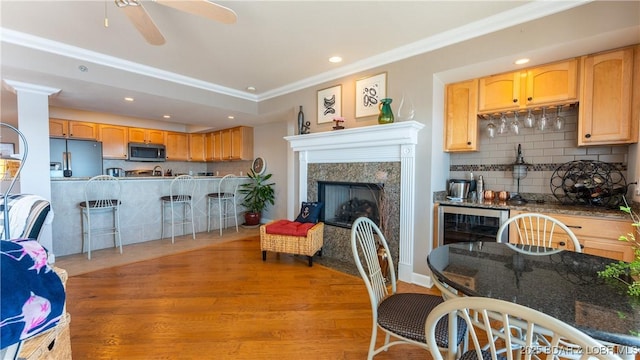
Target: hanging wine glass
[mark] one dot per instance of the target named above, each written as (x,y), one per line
(543,121)
(503,126)
(558,123)
(530,119)
(491,128)
(515,124)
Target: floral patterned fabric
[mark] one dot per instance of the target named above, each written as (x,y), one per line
(32,295)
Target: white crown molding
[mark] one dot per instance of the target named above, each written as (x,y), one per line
(530,11)
(15,86)
(38,43)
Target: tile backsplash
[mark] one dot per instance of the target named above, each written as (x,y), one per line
(543,151)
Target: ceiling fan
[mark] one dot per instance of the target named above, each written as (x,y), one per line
(145,25)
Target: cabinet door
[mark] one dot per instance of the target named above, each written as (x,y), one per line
(499,92)
(177,146)
(197,147)
(461,122)
(156,136)
(213,146)
(604,115)
(58,128)
(552,84)
(114,141)
(226,144)
(137,135)
(83,130)
(241,143)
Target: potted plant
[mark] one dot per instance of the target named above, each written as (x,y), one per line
(258,194)
(627,273)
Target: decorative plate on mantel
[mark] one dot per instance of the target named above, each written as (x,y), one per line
(589,182)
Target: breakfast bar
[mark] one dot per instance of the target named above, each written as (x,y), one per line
(140,211)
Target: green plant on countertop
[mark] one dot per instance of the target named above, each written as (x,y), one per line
(627,273)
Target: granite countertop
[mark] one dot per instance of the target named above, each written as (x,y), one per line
(136,178)
(538,203)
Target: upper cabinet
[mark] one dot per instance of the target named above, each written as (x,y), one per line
(147,136)
(546,85)
(608,113)
(73,129)
(213,146)
(114,141)
(461,121)
(237,143)
(177,146)
(197,147)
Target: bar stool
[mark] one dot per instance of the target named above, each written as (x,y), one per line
(180,194)
(101,194)
(226,200)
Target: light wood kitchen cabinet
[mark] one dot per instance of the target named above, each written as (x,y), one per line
(147,136)
(605,116)
(197,147)
(213,146)
(177,146)
(461,121)
(546,85)
(598,236)
(237,143)
(73,129)
(114,141)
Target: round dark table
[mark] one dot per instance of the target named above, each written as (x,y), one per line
(564,285)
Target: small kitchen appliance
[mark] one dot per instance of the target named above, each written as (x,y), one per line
(116,172)
(458,188)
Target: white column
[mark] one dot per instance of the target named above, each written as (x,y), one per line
(407,210)
(33,122)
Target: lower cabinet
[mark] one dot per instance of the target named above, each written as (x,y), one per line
(597,236)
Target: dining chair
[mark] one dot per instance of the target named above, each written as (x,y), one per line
(225,198)
(401,315)
(101,194)
(181,192)
(538,234)
(486,318)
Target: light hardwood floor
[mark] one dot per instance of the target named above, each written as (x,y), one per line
(214,298)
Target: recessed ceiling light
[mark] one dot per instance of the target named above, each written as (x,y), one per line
(335,59)
(83,68)
(130,99)
(251,88)
(521,61)
(231,117)
(166,116)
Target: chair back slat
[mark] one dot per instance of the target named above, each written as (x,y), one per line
(102,191)
(182,188)
(538,234)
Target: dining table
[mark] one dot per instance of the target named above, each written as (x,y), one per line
(565,285)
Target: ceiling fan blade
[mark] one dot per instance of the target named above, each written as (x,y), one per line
(145,25)
(203,8)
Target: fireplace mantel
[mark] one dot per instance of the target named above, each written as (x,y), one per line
(377,143)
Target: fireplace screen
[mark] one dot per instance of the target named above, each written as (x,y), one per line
(344,202)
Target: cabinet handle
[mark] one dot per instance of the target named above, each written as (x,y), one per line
(587,135)
(574,226)
(515,100)
(468,142)
(529,98)
(562,243)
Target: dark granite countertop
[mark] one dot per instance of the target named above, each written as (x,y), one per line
(564,285)
(538,203)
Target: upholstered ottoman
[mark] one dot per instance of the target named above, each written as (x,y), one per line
(292,237)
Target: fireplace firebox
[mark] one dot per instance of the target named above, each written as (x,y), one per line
(344,202)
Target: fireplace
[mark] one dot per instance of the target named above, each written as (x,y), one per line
(344,202)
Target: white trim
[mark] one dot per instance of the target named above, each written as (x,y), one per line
(378,143)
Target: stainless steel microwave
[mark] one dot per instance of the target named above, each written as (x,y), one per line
(147,152)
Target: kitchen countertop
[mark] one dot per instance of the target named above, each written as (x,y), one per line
(136,178)
(548,206)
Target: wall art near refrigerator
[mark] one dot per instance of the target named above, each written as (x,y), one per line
(329,104)
(369,91)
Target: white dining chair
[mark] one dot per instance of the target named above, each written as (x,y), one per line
(486,318)
(538,234)
(181,192)
(401,315)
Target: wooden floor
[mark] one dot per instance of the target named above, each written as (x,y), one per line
(214,298)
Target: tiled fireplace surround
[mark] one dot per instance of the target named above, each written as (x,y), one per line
(375,154)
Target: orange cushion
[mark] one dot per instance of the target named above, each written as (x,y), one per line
(286,227)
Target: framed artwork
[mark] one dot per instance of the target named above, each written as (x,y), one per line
(369,91)
(329,104)
(7,149)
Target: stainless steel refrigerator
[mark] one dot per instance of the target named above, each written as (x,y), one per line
(77,158)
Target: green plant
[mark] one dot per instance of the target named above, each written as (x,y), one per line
(627,273)
(258,194)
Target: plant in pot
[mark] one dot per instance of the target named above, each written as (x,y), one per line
(258,194)
(627,273)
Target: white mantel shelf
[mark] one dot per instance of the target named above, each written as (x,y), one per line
(377,143)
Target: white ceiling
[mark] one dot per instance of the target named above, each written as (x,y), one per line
(201,74)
